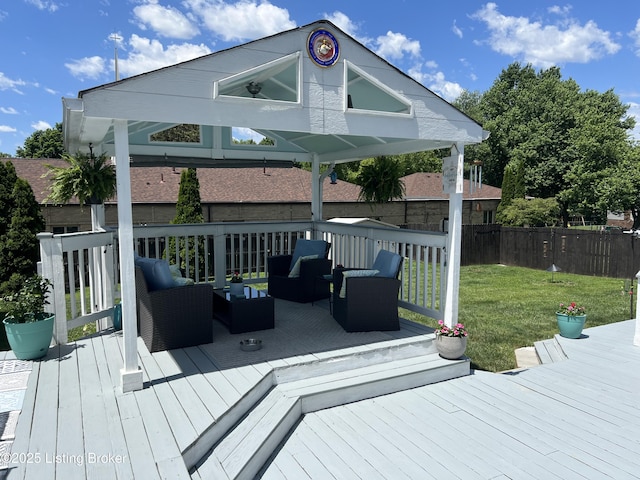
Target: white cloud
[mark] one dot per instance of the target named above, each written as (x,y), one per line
(165,21)
(87,67)
(243,133)
(436,82)
(7,83)
(396,45)
(558,10)
(9,110)
(44,5)
(243,20)
(7,129)
(41,125)
(634,111)
(456,30)
(51,91)
(635,34)
(343,22)
(545,45)
(147,55)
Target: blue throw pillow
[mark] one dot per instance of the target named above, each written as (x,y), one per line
(354,273)
(156,273)
(304,248)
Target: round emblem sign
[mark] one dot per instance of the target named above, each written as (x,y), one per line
(323,48)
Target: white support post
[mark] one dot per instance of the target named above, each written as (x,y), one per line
(454,240)
(636,337)
(131,374)
(97,294)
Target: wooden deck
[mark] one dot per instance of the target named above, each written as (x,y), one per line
(317,402)
(574,417)
(75,423)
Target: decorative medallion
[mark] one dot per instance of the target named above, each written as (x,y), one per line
(323,47)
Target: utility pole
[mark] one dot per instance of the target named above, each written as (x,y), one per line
(116,38)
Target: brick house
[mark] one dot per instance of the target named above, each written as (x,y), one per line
(257,194)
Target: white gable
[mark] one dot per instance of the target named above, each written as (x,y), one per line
(358,107)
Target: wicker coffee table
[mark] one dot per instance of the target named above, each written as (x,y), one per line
(241,315)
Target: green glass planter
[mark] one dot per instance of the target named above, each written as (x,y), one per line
(570,325)
(30,340)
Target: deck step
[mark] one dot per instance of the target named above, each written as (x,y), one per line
(549,351)
(243,452)
(335,361)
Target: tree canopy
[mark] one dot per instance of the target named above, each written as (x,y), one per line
(43,144)
(567,140)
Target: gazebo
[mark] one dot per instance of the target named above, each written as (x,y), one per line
(318,94)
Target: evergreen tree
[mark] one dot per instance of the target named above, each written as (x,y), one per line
(19,246)
(189,207)
(188,210)
(8,179)
(512,186)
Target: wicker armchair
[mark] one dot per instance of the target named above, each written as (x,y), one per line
(308,285)
(175,317)
(368,303)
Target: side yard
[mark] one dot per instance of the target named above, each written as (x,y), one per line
(506,308)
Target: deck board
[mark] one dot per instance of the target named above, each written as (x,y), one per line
(572,419)
(578,418)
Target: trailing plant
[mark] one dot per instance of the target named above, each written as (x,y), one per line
(90,179)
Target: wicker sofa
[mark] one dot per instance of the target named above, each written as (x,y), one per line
(369,299)
(173,317)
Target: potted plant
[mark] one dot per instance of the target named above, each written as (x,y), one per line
(29,328)
(571,319)
(451,342)
(236,285)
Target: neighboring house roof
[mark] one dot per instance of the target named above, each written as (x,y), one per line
(217,185)
(249,185)
(428,186)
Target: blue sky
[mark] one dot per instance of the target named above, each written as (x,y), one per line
(55,48)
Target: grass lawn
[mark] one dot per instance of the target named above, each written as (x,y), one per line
(505,308)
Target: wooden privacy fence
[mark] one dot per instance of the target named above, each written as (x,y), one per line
(586,252)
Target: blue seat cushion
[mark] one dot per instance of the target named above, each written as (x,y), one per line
(304,248)
(156,272)
(387,263)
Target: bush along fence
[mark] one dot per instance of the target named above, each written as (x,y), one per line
(586,252)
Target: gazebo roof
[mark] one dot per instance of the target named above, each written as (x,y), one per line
(339,104)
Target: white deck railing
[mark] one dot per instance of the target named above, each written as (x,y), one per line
(83,267)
